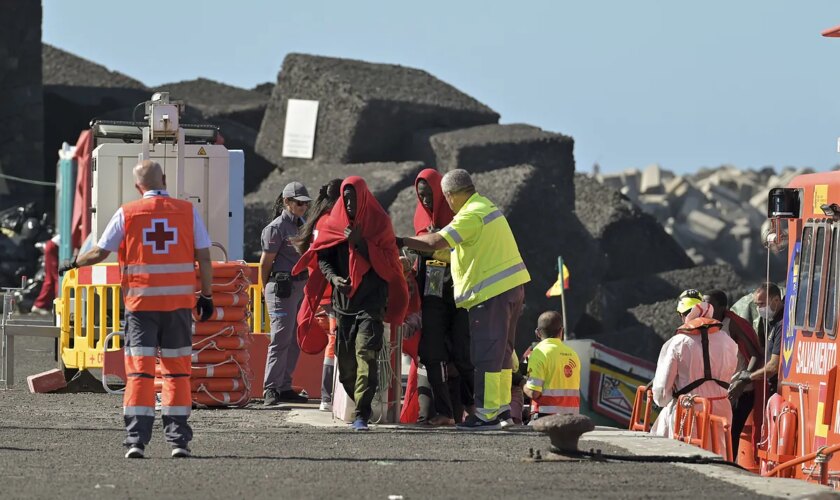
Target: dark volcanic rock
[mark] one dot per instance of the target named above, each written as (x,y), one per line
(264,88)
(65,69)
(384,180)
(634,242)
(367,112)
(76,91)
(636,315)
(21,102)
(490,147)
(217,100)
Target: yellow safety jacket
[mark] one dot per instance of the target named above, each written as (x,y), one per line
(554,370)
(486,260)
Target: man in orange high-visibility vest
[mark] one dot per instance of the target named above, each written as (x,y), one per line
(158,239)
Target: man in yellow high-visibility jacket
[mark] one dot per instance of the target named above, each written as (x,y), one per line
(553,370)
(488,274)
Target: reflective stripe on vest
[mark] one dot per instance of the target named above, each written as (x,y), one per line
(160,291)
(187,267)
(492,264)
(157,256)
(490,281)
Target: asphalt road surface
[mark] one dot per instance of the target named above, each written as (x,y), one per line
(69,445)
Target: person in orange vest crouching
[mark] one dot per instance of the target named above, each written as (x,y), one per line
(158,238)
(553,380)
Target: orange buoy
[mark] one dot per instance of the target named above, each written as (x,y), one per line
(226,314)
(230,270)
(220,398)
(213,356)
(220,370)
(224,328)
(218,384)
(228,286)
(220,342)
(230,299)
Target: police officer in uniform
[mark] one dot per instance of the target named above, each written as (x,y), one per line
(283,293)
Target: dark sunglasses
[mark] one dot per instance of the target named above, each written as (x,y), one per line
(300,203)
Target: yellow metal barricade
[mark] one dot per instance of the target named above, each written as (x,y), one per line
(259,313)
(87,314)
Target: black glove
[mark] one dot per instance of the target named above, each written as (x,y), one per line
(400,242)
(67,266)
(204,307)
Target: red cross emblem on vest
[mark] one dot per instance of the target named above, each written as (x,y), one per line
(160,236)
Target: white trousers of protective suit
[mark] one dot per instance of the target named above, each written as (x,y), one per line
(680,363)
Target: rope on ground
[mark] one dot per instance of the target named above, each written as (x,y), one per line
(27,181)
(693,459)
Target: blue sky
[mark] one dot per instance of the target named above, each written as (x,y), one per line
(683,84)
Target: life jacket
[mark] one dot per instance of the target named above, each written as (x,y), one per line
(157,256)
(703,327)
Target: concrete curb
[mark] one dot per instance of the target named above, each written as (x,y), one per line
(635,443)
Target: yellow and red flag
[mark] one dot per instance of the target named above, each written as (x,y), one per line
(562,283)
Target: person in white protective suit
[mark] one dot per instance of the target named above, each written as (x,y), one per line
(699,359)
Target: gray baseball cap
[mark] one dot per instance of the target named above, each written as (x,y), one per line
(297,191)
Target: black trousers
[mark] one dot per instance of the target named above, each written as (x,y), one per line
(445,352)
(740,414)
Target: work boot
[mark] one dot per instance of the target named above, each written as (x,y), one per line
(271,397)
(290,396)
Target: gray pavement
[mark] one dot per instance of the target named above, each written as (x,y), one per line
(69,445)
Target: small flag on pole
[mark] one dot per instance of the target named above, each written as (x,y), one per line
(562,283)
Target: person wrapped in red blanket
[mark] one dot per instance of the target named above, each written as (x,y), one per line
(445,340)
(355,251)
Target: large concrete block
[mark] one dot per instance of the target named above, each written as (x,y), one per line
(217,100)
(367,112)
(489,147)
(21,103)
(634,242)
(704,225)
(385,180)
(651,182)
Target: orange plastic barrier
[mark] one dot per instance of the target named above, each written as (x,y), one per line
(644,396)
(702,428)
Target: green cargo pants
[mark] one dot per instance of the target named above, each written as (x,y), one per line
(357,344)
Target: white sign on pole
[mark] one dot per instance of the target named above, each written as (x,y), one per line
(299,134)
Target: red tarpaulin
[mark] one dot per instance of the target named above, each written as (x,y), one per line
(81,205)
